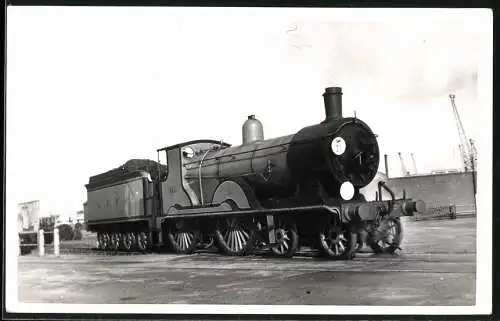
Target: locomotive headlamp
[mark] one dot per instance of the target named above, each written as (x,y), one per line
(347,191)
(338,146)
(149,178)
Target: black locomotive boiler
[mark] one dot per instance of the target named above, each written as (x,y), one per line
(281,193)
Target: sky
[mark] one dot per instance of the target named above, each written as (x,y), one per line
(90,88)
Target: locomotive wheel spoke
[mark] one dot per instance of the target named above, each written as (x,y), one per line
(337,242)
(115,241)
(237,238)
(187,240)
(234,237)
(112,243)
(101,241)
(142,241)
(236,241)
(182,237)
(118,240)
(107,241)
(287,239)
(127,241)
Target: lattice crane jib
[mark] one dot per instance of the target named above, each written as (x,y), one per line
(466,146)
(414,163)
(403,166)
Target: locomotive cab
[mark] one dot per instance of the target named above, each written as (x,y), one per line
(178,190)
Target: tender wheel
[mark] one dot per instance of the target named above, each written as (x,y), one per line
(128,240)
(182,237)
(387,236)
(234,236)
(287,238)
(142,241)
(100,241)
(108,239)
(115,241)
(103,241)
(338,241)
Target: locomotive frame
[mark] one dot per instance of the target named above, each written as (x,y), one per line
(279,193)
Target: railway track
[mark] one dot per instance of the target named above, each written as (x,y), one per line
(364,254)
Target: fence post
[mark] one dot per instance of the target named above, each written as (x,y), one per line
(56,241)
(452,211)
(41,243)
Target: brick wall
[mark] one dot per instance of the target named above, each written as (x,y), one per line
(370,190)
(438,190)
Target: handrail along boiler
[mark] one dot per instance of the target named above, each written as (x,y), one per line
(279,193)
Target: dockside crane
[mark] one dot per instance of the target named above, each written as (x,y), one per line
(403,167)
(466,146)
(414,164)
(467,149)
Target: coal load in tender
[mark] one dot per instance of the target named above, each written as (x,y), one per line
(129,170)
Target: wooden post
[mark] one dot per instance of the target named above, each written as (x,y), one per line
(56,242)
(41,243)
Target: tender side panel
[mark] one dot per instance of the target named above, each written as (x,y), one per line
(120,201)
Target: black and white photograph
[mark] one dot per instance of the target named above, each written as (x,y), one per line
(230,160)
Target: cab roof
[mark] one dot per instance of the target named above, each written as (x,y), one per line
(192,142)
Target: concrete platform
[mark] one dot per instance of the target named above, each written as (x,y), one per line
(437,267)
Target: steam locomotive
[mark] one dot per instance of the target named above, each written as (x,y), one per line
(281,193)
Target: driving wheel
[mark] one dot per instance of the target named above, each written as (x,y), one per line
(234,236)
(182,237)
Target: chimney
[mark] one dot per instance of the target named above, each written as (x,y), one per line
(386,166)
(333,103)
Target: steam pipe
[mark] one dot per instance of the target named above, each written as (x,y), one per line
(384,185)
(333,103)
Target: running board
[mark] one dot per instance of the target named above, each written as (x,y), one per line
(225,210)
(350,212)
